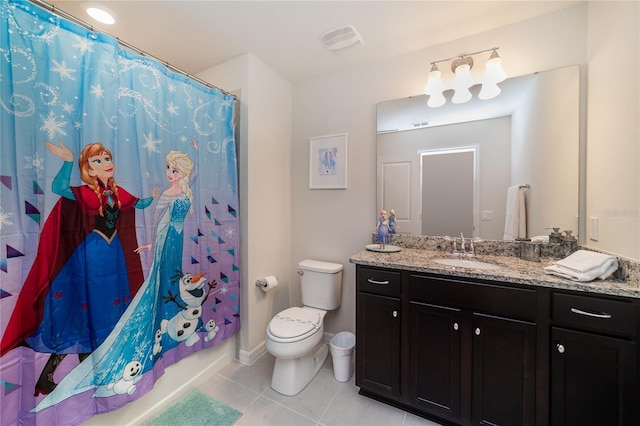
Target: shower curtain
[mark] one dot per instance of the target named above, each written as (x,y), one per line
(119,232)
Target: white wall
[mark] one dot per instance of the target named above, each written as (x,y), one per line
(265,198)
(613,152)
(546,139)
(335,224)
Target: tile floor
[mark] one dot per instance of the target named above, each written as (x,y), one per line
(325,401)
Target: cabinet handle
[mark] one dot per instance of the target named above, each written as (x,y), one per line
(477,331)
(602,315)
(378,282)
(395,314)
(560,348)
(455,326)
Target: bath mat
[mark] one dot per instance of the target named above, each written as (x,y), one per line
(195,409)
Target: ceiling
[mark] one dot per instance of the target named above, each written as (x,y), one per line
(196,35)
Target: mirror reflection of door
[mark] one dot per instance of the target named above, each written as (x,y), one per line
(399,189)
(448,192)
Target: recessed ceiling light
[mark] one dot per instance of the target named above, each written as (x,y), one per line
(100,13)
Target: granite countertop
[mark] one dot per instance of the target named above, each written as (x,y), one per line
(513,270)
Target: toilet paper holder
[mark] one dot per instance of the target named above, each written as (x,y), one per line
(267,283)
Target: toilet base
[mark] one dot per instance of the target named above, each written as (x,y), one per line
(290,376)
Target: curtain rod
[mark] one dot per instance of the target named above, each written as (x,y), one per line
(51,8)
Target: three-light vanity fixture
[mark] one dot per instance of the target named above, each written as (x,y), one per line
(461,67)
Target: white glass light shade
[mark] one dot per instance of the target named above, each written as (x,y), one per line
(434,83)
(100,13)
(494,71)
(489,91)
(436,100)
(463,78)
(461,95)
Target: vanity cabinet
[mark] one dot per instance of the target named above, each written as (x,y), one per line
(594,361)
(458,350)
(378,331)
(436,358)
(472,350)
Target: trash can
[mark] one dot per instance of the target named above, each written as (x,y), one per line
(342,345)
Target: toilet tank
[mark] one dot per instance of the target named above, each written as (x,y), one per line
(320,284)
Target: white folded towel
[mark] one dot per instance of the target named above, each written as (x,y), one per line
(543,239)
(584,265)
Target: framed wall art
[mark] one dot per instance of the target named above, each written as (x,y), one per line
(328,162)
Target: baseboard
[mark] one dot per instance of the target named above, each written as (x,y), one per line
(328,337)
(249,357)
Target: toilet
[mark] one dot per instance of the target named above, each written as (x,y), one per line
(295,336)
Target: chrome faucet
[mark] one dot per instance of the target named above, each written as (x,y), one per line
(463,248)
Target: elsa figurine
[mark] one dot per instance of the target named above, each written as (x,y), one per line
(393,227)
(383,229)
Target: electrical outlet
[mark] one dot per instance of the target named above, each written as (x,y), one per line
(487,214)
(593,229)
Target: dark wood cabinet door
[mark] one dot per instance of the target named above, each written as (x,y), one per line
(434,377)
(378,344)
(592,380)
(504,371)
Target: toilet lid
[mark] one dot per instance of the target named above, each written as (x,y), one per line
(294,322)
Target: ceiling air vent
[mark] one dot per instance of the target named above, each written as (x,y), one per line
(341,37)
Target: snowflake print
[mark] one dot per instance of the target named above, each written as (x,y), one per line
(34,162)
(172,109)
(150,144)
(138,334)
(140,352)
(62,70)
(83,45)
(97,91)
(52,126)
(5,219)
(229,233)
(67,107)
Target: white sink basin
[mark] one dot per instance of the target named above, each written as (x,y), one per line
(467,263)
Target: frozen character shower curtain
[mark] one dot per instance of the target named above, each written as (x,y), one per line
(119,230)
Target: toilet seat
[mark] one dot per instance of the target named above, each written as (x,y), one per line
(294,324)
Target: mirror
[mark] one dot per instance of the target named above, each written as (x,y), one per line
(527,136)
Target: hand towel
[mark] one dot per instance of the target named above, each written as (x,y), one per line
(584,265)
(515,224)
(542,239)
